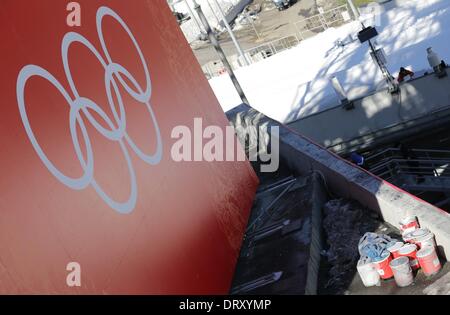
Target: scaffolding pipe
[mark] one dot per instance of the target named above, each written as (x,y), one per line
(214,13)
(354,9)
(218,48)
(230,31)
(194,17)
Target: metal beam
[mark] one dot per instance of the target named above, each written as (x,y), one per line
(222,56)
(230,31)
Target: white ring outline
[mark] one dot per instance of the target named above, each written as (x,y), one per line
(84,104)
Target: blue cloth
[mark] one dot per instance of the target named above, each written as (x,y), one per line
(374,246)
(357,159)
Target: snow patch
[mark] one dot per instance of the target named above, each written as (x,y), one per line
(295,83)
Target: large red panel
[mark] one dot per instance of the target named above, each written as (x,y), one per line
(71,189)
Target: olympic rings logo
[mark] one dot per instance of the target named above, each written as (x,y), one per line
(80,104)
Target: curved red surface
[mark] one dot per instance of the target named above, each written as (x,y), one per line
(184,233)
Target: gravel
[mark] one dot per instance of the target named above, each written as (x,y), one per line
(345,222)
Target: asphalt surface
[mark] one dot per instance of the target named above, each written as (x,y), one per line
(271,24)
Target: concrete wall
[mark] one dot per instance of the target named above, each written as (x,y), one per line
(381,117)
(349,181)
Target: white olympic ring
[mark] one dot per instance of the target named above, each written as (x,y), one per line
(84,105)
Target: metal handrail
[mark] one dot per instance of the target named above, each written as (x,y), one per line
(322,20)
(412,160)
(272,45)
(390,150)
(392,165)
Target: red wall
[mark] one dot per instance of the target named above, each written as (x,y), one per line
(182,232)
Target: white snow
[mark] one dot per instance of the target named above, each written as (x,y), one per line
(295,83)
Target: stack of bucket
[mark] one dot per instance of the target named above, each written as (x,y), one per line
(398,259)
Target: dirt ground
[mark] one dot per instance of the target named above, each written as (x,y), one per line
(270,24)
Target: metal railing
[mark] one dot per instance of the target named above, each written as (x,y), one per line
(273,47)
(306,28)
(413,170)
(255,54)
(318,23)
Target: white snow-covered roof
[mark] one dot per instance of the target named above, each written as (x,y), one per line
(295,83)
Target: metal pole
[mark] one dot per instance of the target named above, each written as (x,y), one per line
(214,13)
(393,86)
(250,20)
(171,6)
(354,9)
(230,31)
(223,58)
(194,17)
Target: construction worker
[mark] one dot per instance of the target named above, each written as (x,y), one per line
(403,74)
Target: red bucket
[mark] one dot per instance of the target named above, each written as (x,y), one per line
(419,233)
(408,224)
(429,260)
(427,240)
(410,251)
(382,266)
(408,238)
(395,248)
(412,237)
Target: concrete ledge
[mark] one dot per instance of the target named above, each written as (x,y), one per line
(316,246)
(347,180)
(381,117)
